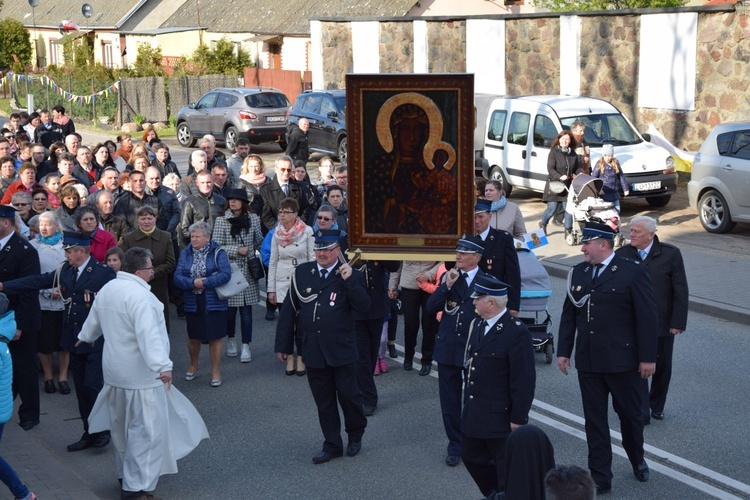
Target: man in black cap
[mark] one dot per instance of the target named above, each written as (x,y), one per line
(610,303)
(500,382)
(453,297)
(322,300)
(78,280)
(17,260)
(499,257)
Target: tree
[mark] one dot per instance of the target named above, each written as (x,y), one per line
(15,41)
(583,5)
(148,61)
(224,58)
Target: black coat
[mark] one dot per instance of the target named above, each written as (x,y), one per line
(19,259)
(297,145)
(272,195)
(617,329)
(664,263)
(559,164)
(91,278)
(376,283)
(501,261)
(170,212)
(500,380)
(196,208)
(326,321)
(127,205)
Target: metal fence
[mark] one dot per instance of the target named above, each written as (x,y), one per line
(186,89)
(145,97)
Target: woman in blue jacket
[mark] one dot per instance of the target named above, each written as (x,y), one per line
(7,331)
(202,267)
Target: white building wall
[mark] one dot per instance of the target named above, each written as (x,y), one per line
(366,46)
(294,54)
(570,55)
(485,54)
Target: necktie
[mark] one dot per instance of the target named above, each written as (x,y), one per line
(643,254)
(75,275)
(285,188)
(597,268)
(482,325)
(323,273)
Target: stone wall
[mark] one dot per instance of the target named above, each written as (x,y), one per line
(532,63)
(337,54)
(446,47)
(396,48)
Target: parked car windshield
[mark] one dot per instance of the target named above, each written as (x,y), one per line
(609,128)
(267,100)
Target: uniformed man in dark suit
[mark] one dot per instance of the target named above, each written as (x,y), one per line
(610,303)
(453,297)
(667,269)
(323,299)
(19,259)
(78,279)
(369,326)
(499,257)
(500,382)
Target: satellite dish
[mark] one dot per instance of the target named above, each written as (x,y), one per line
(87,10)
(34,3)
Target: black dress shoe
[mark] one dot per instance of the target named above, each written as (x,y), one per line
(84,444)
(369,410)
(353,448)
(408,365)
(49,386)
(657,415)
(602,489)
(452,460)
(325,456)
(425,370)
(64,387)
(101,440)
(641,472)
(27,425)
(647,422)
(392,351)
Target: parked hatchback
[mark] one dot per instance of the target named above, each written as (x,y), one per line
(258,114)
(719,188)
(326,112)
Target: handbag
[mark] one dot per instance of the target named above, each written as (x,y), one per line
(256,268)
(236,284)
(557,187)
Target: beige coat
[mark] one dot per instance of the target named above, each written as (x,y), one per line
(285,259)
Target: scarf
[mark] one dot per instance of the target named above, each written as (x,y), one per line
(499,204)
(93,234)
(284,236)
(7,182)
(565,150)
(198,269)
(238,225)
(148,233)
(253,178)
(62,120)
(50,240)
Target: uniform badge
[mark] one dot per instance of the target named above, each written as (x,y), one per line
(452,304)
(308,290)
(489,263)
(578,288)
(333,298)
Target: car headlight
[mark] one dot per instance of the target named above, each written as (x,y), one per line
(669,163)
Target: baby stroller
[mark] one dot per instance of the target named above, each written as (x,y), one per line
(586,206)
(536,289)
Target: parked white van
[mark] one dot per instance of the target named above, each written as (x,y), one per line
(520,130)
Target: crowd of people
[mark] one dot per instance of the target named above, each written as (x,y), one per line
(75,218)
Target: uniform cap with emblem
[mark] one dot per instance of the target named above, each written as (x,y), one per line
(482,205)
(7,212)
(595,230)
(326,238)
(470,244)
(489,285)
(72,239)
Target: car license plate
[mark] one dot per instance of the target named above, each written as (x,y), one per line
(275,119)
(646,186)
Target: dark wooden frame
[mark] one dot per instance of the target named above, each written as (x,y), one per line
(367,96)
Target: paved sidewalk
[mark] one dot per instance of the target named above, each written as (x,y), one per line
(38,468)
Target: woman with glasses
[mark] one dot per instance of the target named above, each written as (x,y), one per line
(292,244)
(238,233)
(22,202)
(39,201)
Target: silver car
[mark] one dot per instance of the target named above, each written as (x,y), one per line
(720,180)
(257,114)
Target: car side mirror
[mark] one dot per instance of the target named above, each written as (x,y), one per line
(646,136)
(191,105)
(332,115)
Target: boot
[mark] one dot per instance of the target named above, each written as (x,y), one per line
(231,347)
(245,357)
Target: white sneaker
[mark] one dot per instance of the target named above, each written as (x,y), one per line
(245,357)
(231,348)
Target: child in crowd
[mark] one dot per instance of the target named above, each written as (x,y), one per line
(114,257)
(608,169)
(51,184)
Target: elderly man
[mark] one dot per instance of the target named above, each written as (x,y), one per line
(79,280)
(453,297)
(137,374)
(499,384)
(105,205)
(72,143)
(664,263)
(615,347)
(282,186)
(326,296)
(129,202)
(198,163)
(204,206)
(297,147)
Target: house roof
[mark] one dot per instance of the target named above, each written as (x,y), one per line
(107,13)
(291,18)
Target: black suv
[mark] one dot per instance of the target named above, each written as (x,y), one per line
(326,112)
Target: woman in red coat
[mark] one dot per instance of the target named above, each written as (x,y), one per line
(87,221)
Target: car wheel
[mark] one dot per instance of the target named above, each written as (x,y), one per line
(714,213)
(496,174)
(658,201)
(184,136)
(230,138)
(341,151)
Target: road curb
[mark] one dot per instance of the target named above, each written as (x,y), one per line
(719,310)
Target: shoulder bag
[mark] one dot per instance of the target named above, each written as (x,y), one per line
(236,284)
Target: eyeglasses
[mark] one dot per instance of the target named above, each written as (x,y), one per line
(286,212)
(9,136)
(285,170)
(147,269)
(20,204)
(324,218)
